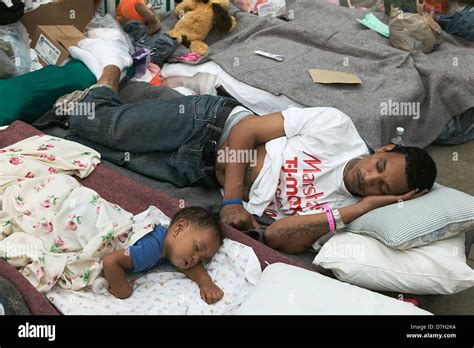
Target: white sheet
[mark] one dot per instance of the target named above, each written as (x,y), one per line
(163,290)
(204,78)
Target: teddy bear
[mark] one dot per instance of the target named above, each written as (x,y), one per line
(138,10)
(197,18)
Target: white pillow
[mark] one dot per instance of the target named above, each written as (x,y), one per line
(438,268)
(285,289)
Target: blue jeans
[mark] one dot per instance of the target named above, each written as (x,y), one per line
(163,139)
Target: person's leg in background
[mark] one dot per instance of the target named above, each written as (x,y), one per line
(143,127)
(161,138)
(136,91)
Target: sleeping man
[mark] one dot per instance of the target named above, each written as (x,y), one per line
(307,168)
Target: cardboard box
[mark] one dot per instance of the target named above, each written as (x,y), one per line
(51,42)
(110,6)
(60,12)
(331,76)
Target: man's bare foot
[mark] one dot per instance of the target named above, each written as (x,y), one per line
(111,77)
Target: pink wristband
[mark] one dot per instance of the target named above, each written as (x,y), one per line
(332,227)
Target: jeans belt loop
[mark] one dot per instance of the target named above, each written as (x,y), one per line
(215,130)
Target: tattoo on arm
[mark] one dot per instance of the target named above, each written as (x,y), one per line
(314,230)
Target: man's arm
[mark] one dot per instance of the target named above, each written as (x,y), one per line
(114,270)
(295,234)
(246,135)
(210,292)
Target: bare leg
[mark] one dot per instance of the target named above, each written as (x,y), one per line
(110,76)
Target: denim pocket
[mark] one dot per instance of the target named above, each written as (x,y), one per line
(190,164)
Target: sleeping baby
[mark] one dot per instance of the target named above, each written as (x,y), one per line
(194,235)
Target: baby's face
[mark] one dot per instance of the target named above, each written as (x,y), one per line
(191,246)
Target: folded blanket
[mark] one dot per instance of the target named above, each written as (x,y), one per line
(56,230)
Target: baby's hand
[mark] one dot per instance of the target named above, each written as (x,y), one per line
(211,293)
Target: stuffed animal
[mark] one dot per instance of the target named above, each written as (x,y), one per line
(197,18)
(138,10)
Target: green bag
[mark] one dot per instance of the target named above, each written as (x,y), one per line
(29,96)
(406,5)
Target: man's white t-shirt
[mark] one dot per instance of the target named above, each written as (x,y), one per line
(304,169)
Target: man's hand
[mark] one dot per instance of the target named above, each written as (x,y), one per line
(211,293)
(237,216)
(374,202)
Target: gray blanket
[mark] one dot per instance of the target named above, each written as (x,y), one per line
(325,36)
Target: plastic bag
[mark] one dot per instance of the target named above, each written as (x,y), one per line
(263,8)
(107,28)
(7,67)
(31,5)
(160,45)
(15,46)
(414,31)
(371,5)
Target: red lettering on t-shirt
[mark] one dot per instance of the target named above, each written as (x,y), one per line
(312,163)
(309,191)
(290,166)
(296,194)
(308,178)
(271,213)
(315,205)
(294,204)
(316,195)
(291,186)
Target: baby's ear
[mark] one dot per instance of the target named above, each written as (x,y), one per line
(181,223)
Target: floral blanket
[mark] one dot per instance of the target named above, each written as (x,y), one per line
(52,228)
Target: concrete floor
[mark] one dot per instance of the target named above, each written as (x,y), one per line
(455,165)
(455,169)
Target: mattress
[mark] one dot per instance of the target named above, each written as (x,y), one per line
(131,196)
